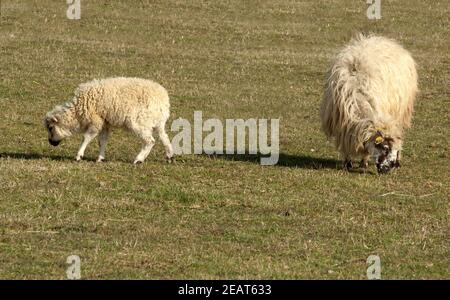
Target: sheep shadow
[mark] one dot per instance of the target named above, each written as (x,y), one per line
(287,160)
(294,161)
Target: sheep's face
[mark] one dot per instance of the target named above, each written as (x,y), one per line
(56,132)
(384,151)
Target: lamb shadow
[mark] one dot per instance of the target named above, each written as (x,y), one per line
(287,160)
(33,156)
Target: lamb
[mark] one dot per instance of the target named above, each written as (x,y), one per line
(139,105)
(368,101)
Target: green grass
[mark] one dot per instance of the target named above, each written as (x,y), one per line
(223,216)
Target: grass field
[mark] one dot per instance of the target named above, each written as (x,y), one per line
(217,217)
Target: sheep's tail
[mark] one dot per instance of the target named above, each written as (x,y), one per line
(340,113)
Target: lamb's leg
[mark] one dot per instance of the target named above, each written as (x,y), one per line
(166,141)
(102,141)
(88,137)
(149,142)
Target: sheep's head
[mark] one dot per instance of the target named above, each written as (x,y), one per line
(385,151)
(56,130)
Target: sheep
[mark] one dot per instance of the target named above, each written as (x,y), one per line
(139,105)
(368,101)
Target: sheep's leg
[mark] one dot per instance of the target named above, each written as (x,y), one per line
(397,161)
(149,142)
(166,141)
(348,164)
(88,137)
(364,162)
(102,141)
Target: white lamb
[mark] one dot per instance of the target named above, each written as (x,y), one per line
(139,105)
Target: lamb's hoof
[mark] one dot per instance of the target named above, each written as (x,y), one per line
(397,164)
(348,165)
(137,162)
(78,159)
(170,159)
(100,159)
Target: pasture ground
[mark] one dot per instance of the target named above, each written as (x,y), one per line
(224,216)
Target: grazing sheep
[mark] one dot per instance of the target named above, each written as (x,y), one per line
(368,101)
(139,105)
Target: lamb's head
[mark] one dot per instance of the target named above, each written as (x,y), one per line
(385,150)
(56,128)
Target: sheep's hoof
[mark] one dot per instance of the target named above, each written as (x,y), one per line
(397,164)
(79,158)
(100,159)
(137,162)
(170,159)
